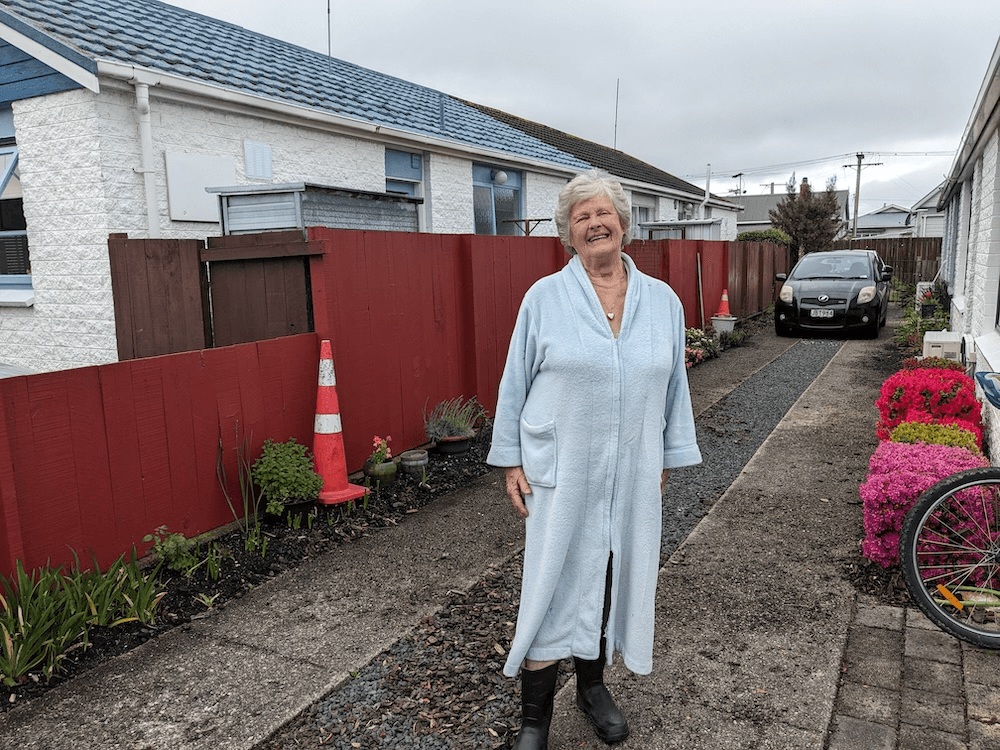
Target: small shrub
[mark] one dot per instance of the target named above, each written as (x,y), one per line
(285,474)
(37,628)
(173,550)
(898,473)
(929,396)
(699,346)
(767,235)
(928,363)
(453,418)
(910,332)
(935,434)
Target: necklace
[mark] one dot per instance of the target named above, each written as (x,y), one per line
(611,316)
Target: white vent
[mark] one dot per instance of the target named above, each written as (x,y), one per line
(258,160)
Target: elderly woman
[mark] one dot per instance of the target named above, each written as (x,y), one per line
(593,412)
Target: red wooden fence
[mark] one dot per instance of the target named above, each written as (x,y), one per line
(98,457)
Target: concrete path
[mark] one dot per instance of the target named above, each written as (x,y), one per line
(761,640)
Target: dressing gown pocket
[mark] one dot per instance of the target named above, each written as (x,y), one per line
(538,453)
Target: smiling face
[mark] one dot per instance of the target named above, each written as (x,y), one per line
(595,229)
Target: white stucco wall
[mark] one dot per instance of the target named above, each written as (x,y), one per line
(63,176)
(80,168)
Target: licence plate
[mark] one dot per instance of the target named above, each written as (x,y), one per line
(821,312)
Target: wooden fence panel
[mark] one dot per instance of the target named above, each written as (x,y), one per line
(157,287)
(258,298)
(913,259)
(98,457)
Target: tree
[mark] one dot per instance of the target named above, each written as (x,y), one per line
(812,221)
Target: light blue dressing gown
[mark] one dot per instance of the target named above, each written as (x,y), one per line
(593,419)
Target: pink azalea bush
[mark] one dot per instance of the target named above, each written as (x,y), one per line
(929,396)
(898,473)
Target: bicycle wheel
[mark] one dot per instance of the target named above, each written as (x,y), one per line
(949,550)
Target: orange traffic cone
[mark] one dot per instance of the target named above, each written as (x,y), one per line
(328,443)
(724,305)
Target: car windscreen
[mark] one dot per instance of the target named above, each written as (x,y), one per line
(824,266)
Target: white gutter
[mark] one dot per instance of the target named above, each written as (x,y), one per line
(147,169)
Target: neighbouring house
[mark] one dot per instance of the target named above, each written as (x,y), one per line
(756,217)
(137,117)
(970,253)
(888,221)
(927,220)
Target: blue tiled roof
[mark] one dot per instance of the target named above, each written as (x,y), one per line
(173,40)
(162,37)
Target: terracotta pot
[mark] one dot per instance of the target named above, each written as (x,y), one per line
(383,473)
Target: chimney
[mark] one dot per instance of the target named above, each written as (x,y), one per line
(804,187)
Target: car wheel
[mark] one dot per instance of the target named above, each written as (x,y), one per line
(780,329)
(874,328)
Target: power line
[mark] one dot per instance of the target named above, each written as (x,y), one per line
(809,162)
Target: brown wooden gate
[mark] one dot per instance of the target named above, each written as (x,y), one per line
(259,286)
(178,295)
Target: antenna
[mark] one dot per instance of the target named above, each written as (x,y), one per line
(329,43)
(617,82)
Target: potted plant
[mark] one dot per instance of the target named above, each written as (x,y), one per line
(451,425)
(380,465)
(287,479)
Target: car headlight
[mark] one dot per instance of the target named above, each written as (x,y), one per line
(866,295)
(785,295)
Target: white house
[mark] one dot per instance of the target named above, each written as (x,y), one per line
(927,220)
(118,115)
(970,255)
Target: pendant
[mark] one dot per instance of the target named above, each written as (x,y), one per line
(611,316)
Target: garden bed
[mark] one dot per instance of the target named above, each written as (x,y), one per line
(188,598)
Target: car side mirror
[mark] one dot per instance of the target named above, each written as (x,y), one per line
(780,276)
(887,275)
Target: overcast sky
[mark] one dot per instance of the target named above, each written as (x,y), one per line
(763,87)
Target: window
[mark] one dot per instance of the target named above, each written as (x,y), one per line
(15,264)
(496,200)
(404,173)
(643,210)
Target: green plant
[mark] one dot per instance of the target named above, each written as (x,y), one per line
(699,346)
(174,550)
(214,556)
(284,473)
(249,522)
(122,593)
(453,418)
(36,627)
(380,450)
(935,434)
(206,600)
(910,332)
(767,235)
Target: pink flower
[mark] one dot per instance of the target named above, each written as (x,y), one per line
(898,473)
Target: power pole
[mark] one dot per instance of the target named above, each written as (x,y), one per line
(857,197)
(857,190)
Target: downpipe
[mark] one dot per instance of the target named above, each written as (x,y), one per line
(147,169)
